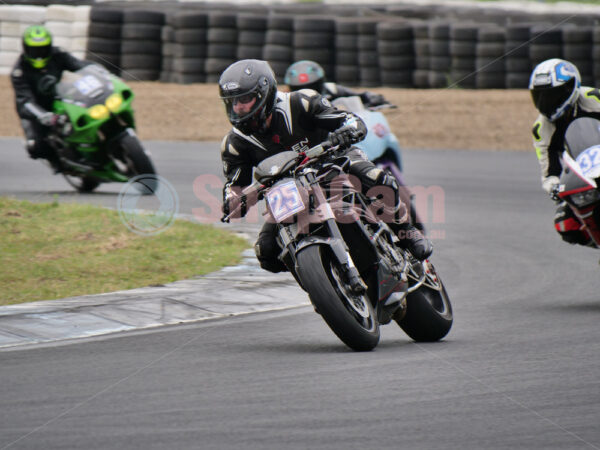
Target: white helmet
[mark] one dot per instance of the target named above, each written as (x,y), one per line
(554,87)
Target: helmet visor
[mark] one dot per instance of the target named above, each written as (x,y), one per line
(243,106)
(548,99)
(41,52)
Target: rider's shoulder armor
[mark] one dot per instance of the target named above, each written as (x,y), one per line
(589,99)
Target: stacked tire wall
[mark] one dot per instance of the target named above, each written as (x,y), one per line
(141,44)
(185,48)
(104,41)
(369,45)
(279,43)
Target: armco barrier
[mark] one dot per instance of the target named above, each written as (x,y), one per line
(398,45)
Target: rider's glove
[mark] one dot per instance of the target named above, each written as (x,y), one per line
(48,119)
(554,193)
(231,201)
(372,99)
(344,137)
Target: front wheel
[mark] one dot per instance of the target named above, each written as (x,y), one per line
(349,315)
(137,160)
(83,183)
(428,316)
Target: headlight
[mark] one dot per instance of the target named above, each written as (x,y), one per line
(114,102)
(98,112)
(585,198)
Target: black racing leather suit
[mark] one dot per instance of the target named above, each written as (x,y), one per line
(300,120)
(34,93)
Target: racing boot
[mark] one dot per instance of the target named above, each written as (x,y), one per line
(411,239)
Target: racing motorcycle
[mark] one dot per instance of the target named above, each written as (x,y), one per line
(381,145)
(95,136)
(341,253)
(579,183)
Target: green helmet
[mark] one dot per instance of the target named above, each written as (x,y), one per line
(37,46)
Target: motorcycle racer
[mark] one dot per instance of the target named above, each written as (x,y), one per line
(266,122)
(556,91)
(310,75)
(33,77)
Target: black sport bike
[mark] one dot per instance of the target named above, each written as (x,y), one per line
(341,253)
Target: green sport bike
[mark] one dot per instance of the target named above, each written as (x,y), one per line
(94,136)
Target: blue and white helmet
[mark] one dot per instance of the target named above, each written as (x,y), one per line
(554,87)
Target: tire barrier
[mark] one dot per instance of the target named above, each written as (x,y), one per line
(185,48)
(104,40)
(346,52)
(279,44)
(596,54)
(13,22)
(69,27)
(516,49)
(314,39)
(439,51)
(490,64)
(399,45)
(141,44)
(395,49)
(463,46)
(368,59)
(222,38)
(577,48)
(422,54)
(251,36)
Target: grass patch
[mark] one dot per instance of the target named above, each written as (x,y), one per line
(54,250)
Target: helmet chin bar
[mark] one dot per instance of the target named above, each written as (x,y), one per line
(258,123)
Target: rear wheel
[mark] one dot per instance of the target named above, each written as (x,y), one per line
(428,316)
(349,315)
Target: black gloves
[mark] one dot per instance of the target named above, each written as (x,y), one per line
(372,99)
(345,136)
(231,201)
(48,119)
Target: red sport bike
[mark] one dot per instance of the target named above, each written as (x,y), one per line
(580,181)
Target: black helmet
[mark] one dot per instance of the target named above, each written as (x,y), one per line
(305,75)
(247,81)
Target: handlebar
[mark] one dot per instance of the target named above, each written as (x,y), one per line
(256,188)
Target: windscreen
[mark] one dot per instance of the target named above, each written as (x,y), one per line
(86,87)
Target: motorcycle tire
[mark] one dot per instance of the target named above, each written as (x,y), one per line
(428,316)
(82,184)
(137,161)
(350,316)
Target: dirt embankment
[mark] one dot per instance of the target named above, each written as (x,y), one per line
(433,118)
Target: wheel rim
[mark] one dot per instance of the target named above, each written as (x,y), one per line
(433,289)
(356,304)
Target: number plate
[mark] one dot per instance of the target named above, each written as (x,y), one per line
(88,84)
(284,200)
(589,161)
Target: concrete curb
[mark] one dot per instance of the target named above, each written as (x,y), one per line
(242,289)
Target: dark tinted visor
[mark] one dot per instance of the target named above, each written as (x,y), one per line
(549,99)
(240,107)
(38,52)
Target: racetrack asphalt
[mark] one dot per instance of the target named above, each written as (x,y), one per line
(519,369)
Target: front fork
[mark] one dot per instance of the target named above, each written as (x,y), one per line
(338,245)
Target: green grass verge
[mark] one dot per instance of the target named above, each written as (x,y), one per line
(56,250)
